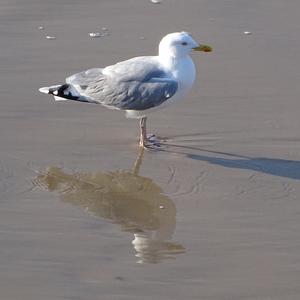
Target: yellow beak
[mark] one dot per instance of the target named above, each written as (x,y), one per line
(204,48)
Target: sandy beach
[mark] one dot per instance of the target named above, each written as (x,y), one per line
(214,215)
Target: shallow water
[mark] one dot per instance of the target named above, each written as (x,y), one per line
(213,215)
(134,202)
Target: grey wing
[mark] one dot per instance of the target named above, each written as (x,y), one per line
(84,78)
(128,70)
(131,95)
(140,68)
(136,84)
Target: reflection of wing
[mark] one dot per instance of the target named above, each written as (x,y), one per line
(134,202)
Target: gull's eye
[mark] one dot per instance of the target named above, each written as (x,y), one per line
(184,43)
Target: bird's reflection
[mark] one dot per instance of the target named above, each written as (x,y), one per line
(134,202)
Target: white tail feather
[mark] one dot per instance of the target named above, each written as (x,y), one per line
(59,98)
(45,89)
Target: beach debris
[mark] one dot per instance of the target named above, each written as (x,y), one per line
(99,34)
(50,37)
(41,28)
(247,32)
(161,207)
(95,34)
(105,31)
(119,278)
(142,37)
(156,1)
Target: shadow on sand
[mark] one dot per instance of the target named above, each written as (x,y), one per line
(135,203)
(273,166)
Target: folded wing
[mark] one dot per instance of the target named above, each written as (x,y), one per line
(135,84)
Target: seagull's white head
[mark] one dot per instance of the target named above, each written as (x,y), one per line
(179,44)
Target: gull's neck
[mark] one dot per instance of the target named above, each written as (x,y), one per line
(180,68)
(170,61)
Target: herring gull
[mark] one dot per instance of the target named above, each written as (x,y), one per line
(139,85)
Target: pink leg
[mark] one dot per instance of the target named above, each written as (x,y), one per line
(143,136)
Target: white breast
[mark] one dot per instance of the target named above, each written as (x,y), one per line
(184,72)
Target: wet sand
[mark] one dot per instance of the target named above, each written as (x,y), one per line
(215,215)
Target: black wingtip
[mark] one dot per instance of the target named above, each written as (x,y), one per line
(63,91)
